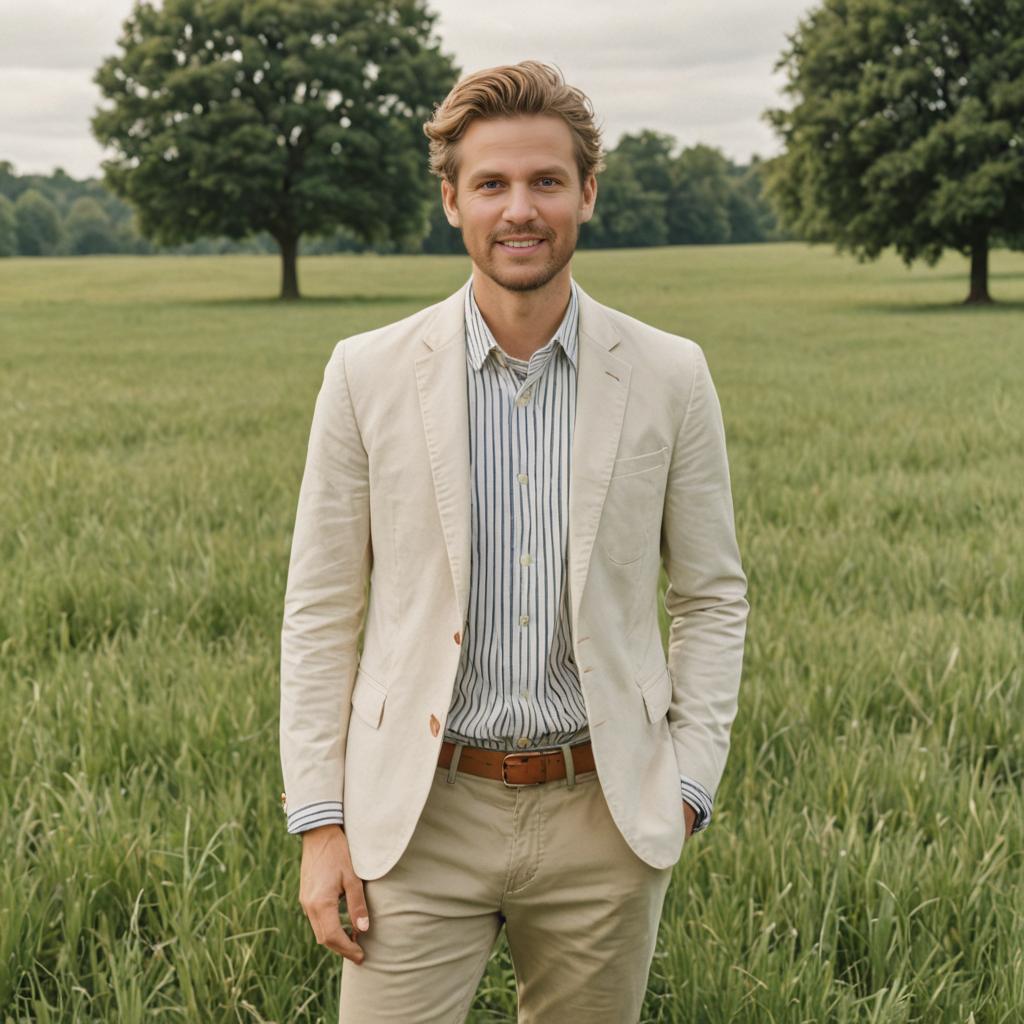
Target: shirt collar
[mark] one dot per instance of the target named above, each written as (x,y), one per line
(480,341)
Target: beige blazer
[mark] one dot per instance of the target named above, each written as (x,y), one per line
(385,501)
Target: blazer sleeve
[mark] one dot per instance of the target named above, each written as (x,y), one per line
(706,594)
(324,605)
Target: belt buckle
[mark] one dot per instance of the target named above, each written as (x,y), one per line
(532,753)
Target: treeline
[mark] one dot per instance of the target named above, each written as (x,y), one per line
(649,194)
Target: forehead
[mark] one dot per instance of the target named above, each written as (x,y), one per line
(511,143)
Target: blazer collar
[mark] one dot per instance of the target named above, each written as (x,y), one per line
(448,323)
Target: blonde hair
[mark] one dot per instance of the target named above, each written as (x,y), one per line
(512,90)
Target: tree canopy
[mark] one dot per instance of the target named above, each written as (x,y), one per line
(906,130)
(650,195)
(37,224)
(89,228)
(287,116)
(8,228)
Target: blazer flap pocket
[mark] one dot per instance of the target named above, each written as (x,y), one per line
(657,696)
(630,464)
(368,698)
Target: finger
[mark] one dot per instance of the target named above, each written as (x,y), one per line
(329,932)
(355,901)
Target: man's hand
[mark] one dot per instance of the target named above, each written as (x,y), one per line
(326,876)
(690,814)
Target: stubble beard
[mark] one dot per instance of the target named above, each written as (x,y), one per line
(544,274)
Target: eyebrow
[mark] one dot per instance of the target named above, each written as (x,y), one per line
(544,172)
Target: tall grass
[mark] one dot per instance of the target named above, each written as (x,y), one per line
(866,859)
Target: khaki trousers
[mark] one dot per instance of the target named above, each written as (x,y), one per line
(580,908)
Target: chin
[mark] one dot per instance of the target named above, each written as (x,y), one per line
(527,279)
(525,283)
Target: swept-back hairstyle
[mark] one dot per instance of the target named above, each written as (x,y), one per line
(511,90)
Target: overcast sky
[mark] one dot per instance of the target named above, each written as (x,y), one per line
(698,69)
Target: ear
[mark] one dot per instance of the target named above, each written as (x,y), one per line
(588,197)
(451,211)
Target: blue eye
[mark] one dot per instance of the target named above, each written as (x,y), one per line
(486,183)
(548,180)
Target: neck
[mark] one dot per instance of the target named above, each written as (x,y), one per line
(522,322)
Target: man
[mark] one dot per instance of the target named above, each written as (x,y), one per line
(508,469)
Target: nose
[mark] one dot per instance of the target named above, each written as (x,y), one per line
(519,206)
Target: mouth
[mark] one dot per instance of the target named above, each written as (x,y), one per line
(521,245)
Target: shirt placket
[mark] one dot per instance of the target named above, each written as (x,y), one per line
(526,567)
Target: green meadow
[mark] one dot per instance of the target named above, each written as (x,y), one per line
(866,857)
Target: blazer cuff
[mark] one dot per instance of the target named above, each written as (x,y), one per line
(323,812)
(699,799)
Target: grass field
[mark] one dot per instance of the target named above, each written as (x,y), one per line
(866,859)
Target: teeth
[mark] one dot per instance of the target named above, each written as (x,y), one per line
(521,245)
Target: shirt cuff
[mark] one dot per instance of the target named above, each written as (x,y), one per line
(699,799)
(323,812)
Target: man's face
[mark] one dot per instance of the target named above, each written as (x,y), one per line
(518,183)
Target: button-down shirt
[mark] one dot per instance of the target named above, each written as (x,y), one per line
(517,686)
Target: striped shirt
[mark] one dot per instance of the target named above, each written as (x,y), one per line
(517,686)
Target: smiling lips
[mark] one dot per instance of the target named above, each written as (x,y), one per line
(522,244)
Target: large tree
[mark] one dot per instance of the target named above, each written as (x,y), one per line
(907,129)
(288,116)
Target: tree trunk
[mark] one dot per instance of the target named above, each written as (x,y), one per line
(289,271)
(979,273)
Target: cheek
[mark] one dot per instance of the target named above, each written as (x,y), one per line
(564,215)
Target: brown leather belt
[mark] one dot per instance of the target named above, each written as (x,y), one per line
(526,768)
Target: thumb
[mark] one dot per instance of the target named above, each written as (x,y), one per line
(355,901)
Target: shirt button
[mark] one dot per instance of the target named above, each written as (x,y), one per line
(522,478)
(525,559)
(523,741)
(524,619)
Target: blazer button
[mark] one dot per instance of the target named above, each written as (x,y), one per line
(458,638)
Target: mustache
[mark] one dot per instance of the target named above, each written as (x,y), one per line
(546,233)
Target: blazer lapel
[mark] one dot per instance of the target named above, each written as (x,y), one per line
(441,381)
(602,387)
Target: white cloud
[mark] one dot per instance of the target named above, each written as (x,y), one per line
(59,33)
(699,71)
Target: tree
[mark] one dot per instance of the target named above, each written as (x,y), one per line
(88,228)
(8,228)
(441,237)
(626,214)
(38,224)
(287,116)
(750,217)
(694,186)
(698,211)
(650,155)
(8,180)
(907,128)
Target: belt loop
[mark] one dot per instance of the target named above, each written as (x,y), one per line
(454,766)
(570,767)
